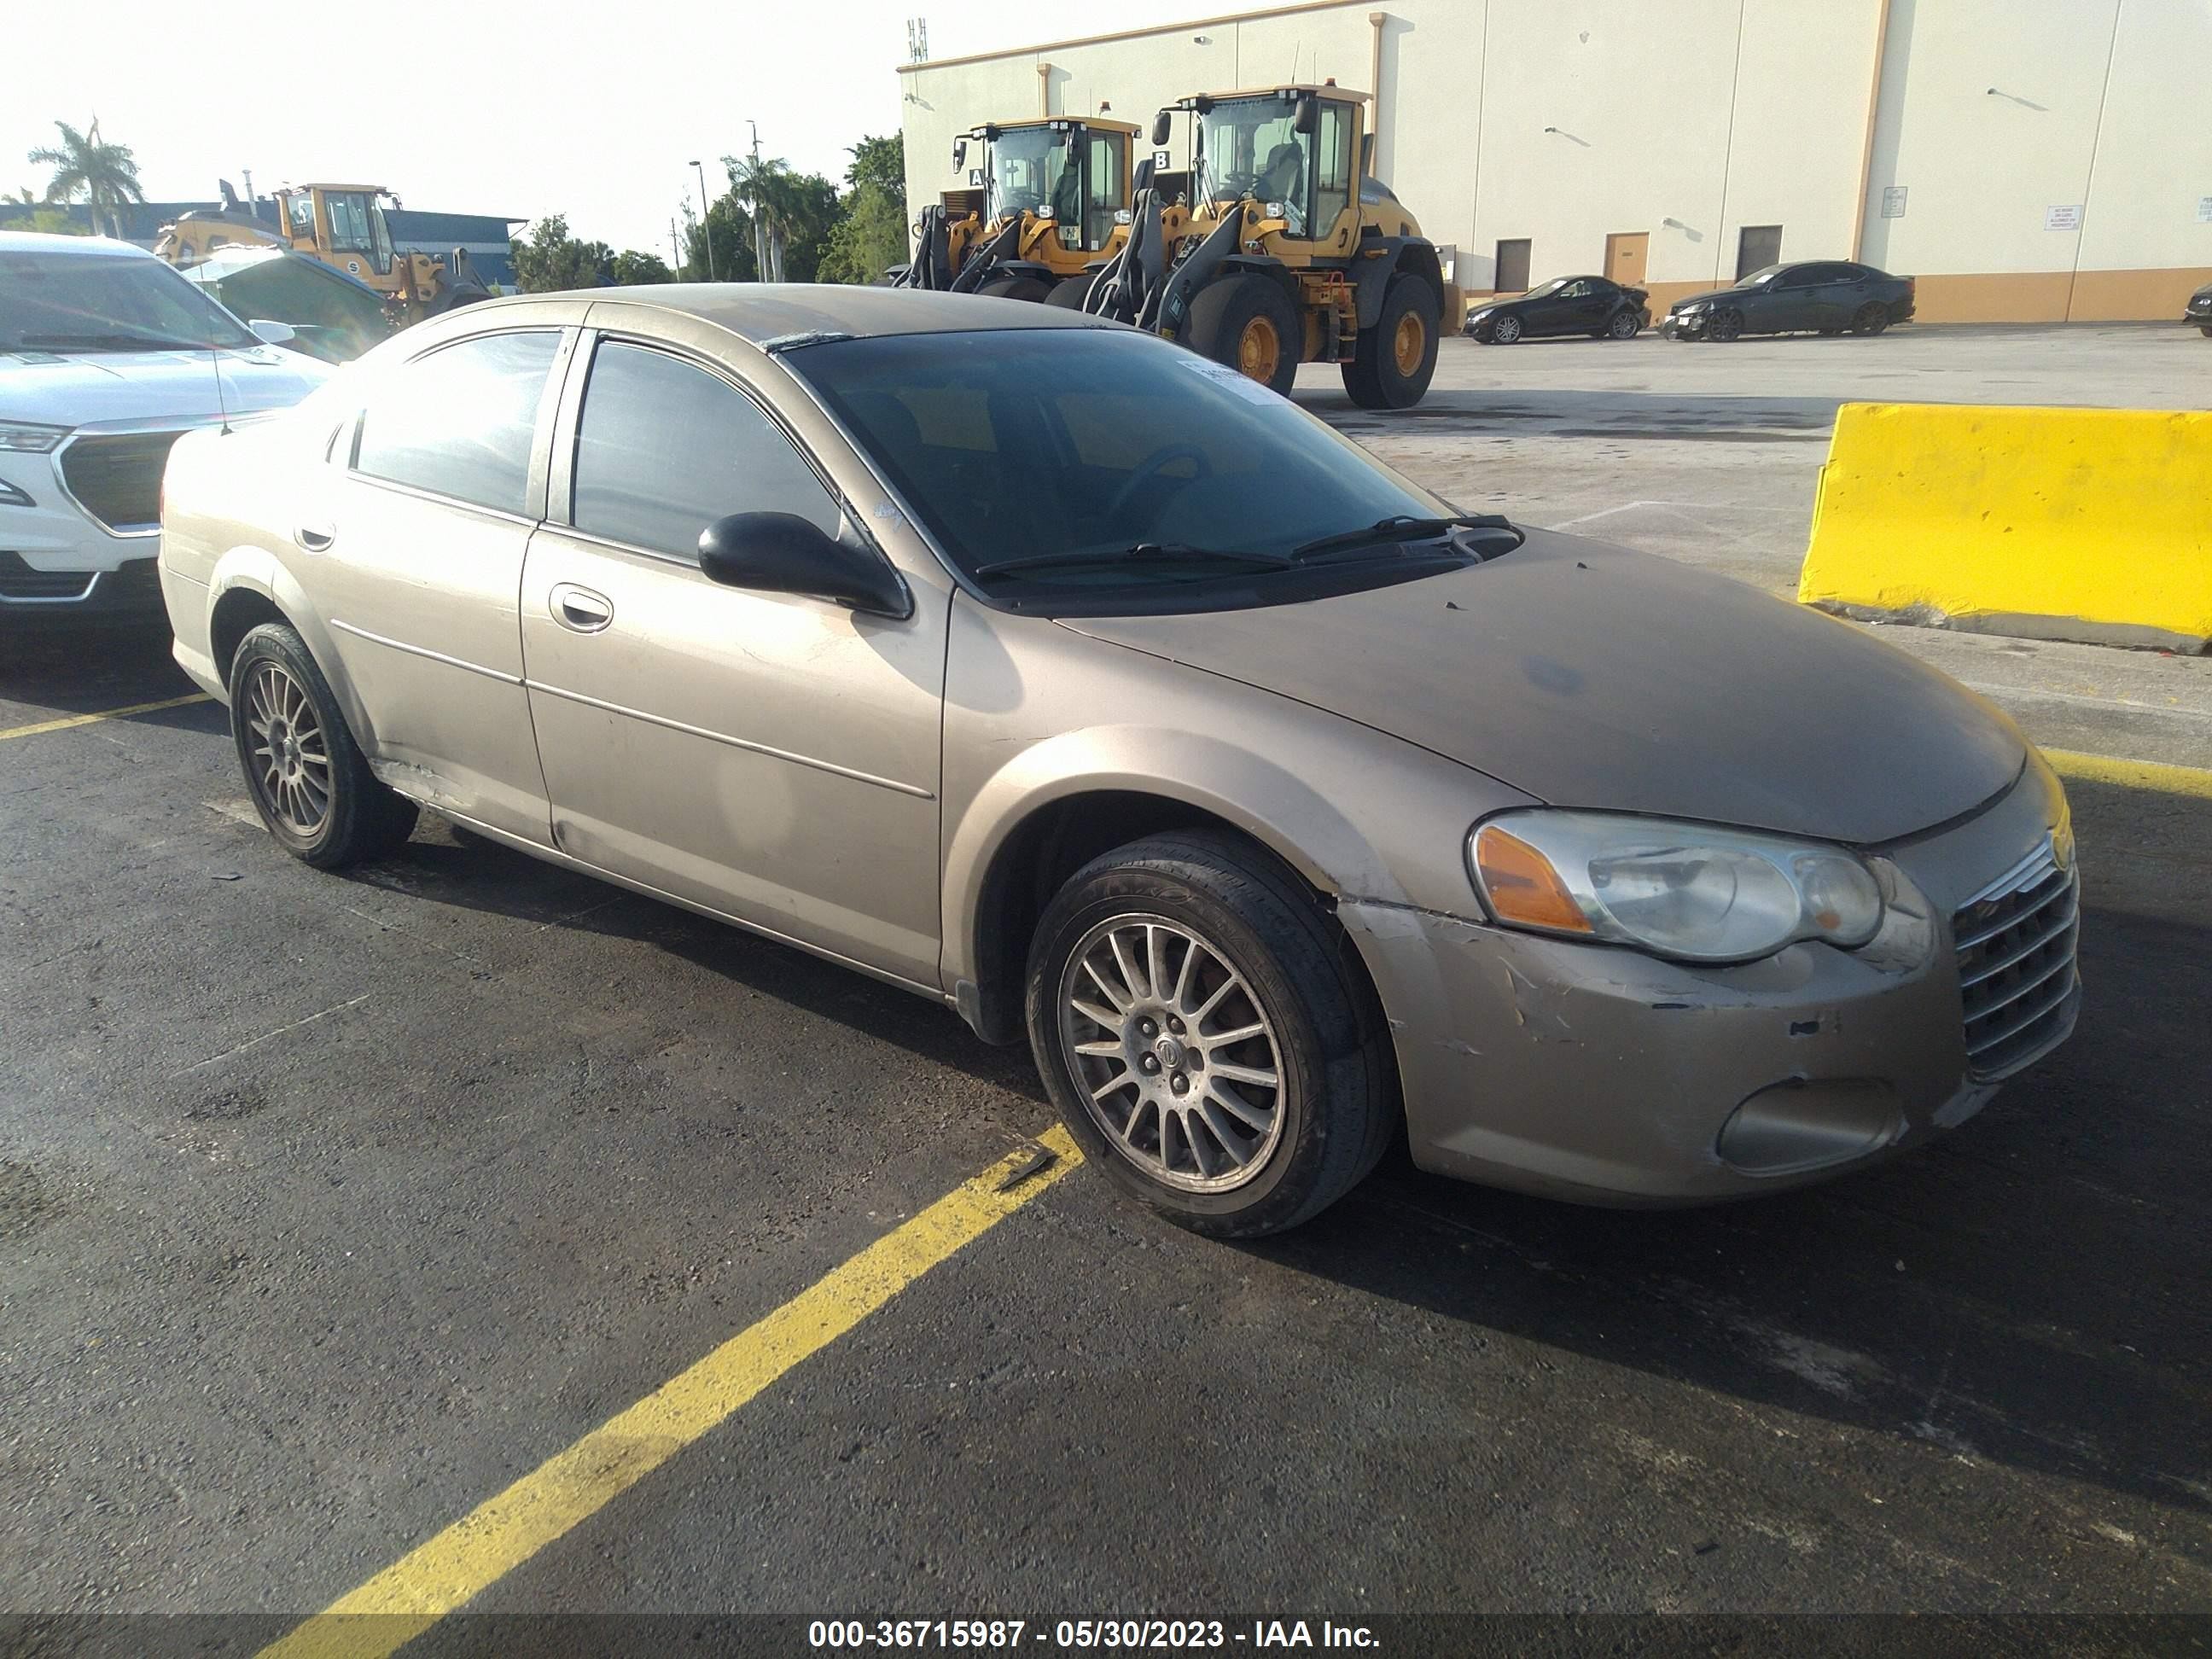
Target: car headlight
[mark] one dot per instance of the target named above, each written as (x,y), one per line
(22,435)
(1686,890)
(1477,316)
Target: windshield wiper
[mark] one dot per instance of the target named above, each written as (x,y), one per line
(1400,527)
(1142,553)
(119,342)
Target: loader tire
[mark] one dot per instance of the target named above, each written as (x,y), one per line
(1071,292)
(1396,359)
(1247,322)
(1027,288)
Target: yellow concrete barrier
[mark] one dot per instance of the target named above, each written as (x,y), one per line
(2074,523)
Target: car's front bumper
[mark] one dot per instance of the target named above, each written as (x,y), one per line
(2199,313)
(1682,326)
(1603,1075)
(79,524)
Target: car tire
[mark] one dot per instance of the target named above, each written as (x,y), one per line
(2205,329)
(1623,325)
(1725,325)
(1871,319)
(1028,288)
(1396,359)
(1246,322)
(1070,292)
(1146,935)
(1505,330)
(306,774)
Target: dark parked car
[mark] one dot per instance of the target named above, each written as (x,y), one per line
(1566,305)
(2200,310)
(1825,297)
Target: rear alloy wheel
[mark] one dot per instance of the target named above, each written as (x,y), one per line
(1246,321)
(1505,330)
(1725,325)
(1624,325)
(1396,359)
(1195,1016)
(1028,288)
(308,778)
(1872,318)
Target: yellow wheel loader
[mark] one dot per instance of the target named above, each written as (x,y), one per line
(1283,248)
(345,227)
(1050,198)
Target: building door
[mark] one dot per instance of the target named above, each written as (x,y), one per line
(1624,256)
(1512,266)
(1757,247)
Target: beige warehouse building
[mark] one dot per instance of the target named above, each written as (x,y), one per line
(2028,160)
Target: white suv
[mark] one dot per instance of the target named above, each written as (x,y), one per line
(106,355)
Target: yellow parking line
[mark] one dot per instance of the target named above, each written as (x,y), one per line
(432,1579)
(2131,774)
(64,724)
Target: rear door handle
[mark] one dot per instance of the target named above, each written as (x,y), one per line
(579,609)
(315,537)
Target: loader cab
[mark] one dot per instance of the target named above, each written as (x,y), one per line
(1073,174)
(342,224)
(1292,151)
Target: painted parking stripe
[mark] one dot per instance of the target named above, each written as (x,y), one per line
(2131,774)
(436,1577)
(63,724)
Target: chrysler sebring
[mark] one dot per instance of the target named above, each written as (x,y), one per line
(1048,670)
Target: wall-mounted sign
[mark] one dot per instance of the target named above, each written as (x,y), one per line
(975,178)
(2204,209)
(1892,201)
(2063,218)
(1161,159)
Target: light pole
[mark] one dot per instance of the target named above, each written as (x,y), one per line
(707,223)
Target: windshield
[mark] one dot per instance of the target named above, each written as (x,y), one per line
(1764,274)
(1252,146)
(1058,445)
(1550,288)
(1028,165)
(97,302)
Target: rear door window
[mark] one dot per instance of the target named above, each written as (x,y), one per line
(665,447)
(461,421)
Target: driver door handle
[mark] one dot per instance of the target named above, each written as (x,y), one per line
(579,609)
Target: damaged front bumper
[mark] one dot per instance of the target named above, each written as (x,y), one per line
(1602,1075)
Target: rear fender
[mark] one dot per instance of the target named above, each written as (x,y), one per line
(257,570)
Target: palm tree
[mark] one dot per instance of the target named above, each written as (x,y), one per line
(769,188)
(104,175)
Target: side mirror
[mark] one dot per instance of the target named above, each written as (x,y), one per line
(273,333)
(959,154)
(783,553)
(1308,114)
(1163,124)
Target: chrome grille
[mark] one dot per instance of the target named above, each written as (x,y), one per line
(117,478)
(2016,942)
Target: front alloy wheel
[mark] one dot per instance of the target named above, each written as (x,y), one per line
(1207,1035)
(1177,1060)
(1505,330)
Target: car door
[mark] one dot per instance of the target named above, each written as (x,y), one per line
(1791,303)
(1832,296)
(414,558)
(1594,304)
(767,756)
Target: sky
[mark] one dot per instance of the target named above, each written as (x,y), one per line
(514,108)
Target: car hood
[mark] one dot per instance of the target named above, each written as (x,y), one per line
(90,388)
(1714,294)
(1590,676)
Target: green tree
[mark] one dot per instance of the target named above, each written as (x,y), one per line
(731,228)
(811,214)
(552,260)
(870,232)
(87,168)
(632,269)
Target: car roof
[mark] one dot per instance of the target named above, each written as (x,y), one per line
(90,247)
(766,312)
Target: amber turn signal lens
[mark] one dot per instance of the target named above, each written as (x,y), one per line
(1522,886)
